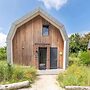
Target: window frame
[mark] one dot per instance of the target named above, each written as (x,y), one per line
(45,27)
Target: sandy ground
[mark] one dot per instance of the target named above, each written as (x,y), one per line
(45,82)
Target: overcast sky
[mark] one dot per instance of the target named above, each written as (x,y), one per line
(74,14)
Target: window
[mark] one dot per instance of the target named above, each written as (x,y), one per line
(45,30)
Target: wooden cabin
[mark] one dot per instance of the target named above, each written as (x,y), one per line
(39,40)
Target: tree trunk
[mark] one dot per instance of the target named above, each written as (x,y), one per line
(77,87)
(15,85)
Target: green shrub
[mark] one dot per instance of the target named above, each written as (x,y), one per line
(85,58)
(18,74)
(23,73)
(8,72)
(1,71)
(11,74)
(74,75)
(73,55)
(30,74)
(3,53)
(73,60)
(5,71)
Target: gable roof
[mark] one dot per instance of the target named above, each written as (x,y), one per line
(31,15)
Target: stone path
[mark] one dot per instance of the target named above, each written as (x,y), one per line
(45,82)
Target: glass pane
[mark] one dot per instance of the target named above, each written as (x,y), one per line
(45,30)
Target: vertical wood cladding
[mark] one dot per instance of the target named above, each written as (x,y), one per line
(30,33)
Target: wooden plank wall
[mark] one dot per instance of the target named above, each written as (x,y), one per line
(29,34)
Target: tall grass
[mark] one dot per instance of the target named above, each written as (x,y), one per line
(9,74)
(75,75)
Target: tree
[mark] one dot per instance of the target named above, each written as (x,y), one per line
(3,53)
(84,41)
(78,42)
(74,45)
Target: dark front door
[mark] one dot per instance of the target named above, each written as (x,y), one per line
(53,58)
(42,58)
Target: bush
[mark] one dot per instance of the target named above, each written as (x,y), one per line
(75,75)
(11,74)
(73,60)
(3,55)
(18,74)
(30,74)
(7,72)
(2,71)
(73,55)
(84,57)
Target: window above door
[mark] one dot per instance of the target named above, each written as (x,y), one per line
(45,30)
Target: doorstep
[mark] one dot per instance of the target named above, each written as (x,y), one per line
(49,71)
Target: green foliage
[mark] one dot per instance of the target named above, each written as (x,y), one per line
(8,70)
(84,57)
(75,75)
(30,74)
(78,73)
(84,41)
(2,69)
(3,53)
(18,73)
(74,43)
(5,71)
(73,60)
(78,42)
(10,74)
